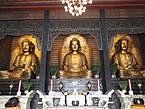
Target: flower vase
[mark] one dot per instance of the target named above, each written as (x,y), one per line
(26,92)
(96,76)
(124,91)
(113,76)
(95,101)
(56,101)
(53,76)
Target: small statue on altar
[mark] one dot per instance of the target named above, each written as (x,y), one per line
(24,63)
(75,91)
(75,63)
(126,61)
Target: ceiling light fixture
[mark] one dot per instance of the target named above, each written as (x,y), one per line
(75,7)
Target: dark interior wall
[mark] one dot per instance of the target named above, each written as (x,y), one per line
(125,12)
(55,14)
(21,14)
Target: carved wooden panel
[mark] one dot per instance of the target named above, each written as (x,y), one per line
(142,47)
(5,52)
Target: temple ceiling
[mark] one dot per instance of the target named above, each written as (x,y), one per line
(55,4)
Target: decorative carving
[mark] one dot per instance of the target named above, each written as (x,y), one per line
(68,26)
(124,25)
(22,27)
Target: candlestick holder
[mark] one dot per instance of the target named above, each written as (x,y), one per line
(99,92)
(139,84)
(60,86)
(19,93)
(89,85)
(65,94)
(85,94)
(130,92)
(11,85)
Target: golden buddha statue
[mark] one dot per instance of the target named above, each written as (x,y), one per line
(75,63)
(126,61)
(24,63)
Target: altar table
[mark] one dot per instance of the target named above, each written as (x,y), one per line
(138,107)
(77,107)
(24,101)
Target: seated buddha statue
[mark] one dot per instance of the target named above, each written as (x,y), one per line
(126,61)
(75,63)
(24,63)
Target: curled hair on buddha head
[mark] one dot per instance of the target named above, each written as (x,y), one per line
(75,39)
(32,47)
(12,102)
(118,44)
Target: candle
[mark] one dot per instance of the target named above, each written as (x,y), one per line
(19,87)
(51,85)
(98,84)
(129,83)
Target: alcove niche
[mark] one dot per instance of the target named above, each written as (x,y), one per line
(54,60)
(9,48)
(136,46)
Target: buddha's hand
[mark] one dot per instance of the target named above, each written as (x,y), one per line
(27,70)
(22,66)
(139,67)
(11,69)
(66,68)
(84,68)
(121,68)
(129,67)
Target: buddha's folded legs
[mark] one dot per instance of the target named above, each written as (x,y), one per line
(88,74)
(131,73)
(15,74)
(123,74)
(62,74)
(4,74)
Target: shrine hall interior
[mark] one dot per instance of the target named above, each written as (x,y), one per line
(47,24)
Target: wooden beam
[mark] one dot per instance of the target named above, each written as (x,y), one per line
(58,5)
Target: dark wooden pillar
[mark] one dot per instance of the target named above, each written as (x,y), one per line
(106,76)
(47,72)
(44,52)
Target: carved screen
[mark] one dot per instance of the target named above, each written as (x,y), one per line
(5,51)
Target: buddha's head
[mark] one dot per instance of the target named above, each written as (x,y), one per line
(124,44)
(74,44)
(27,46)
